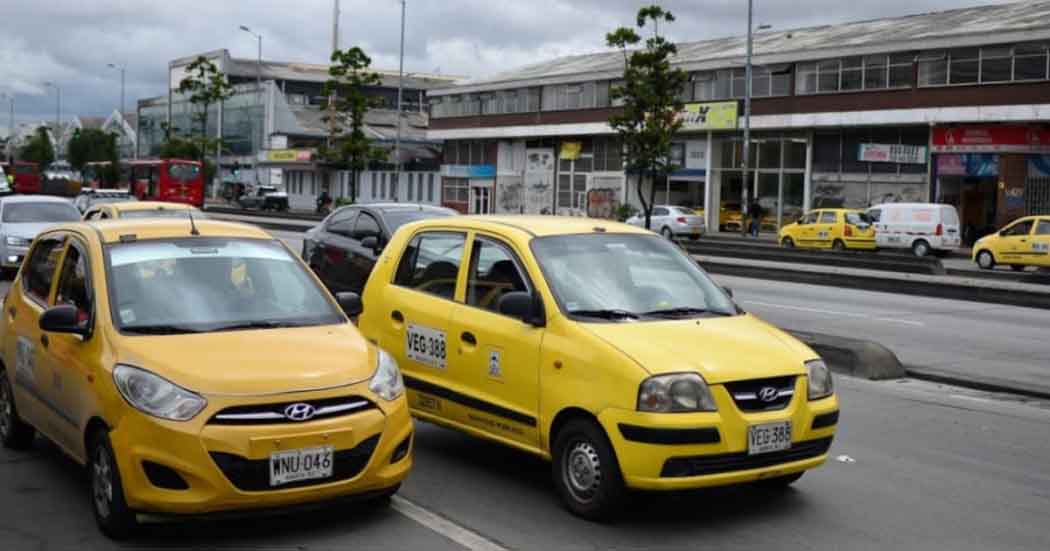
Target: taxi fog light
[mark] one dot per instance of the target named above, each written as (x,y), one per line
(387,381)
(678,392)
(819,384)
(156,396)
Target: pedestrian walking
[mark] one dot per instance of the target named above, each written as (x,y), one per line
(756,211)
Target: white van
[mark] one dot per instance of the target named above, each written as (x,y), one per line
(924,228)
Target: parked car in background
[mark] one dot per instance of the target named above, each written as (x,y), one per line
(143,209)
(264,198)
(27,177)
(88,198)
(5,183)
(342,249)
(1024,242)
(925,228)
(672,222)
(837,229)
(22,217)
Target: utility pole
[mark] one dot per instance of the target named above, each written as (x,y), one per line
(259,101)
(335,48)
(122,68)
(9,153)
(400,103)
(746,207)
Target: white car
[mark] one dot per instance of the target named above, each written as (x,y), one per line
(672,222)
(924,228)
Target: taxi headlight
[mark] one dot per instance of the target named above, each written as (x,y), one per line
(819,384)
(17,241)
(387,381)
(155,395)
(678,392)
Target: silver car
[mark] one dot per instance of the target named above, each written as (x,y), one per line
(22,217)
(672,222)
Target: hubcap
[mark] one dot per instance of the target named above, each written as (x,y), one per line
(102,483)
(920,249)
(985,260)
(6,408)
(582,471)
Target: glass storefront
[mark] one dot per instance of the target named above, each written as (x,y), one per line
(841,180)
(776,182)
(241,128)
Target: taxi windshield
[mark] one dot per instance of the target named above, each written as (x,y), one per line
(627,277)
(212,284)
(160,213)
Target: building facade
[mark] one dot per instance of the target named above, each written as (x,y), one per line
(950,106)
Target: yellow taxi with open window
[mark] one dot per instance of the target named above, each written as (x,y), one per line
(196,367)
(836,229)
(600,347)
(1024,242)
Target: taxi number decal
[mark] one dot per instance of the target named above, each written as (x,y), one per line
(426,345)
(1041,247)
(24,361)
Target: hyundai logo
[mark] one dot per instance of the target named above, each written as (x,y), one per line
(300,412)
(768,394)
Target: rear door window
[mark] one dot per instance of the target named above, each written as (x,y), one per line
(1043,228)
(828,217)
(1019,229)
(857,218)
(659,211)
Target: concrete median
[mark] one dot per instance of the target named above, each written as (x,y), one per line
(857,358)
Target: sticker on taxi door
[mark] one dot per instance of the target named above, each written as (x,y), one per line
(426,345)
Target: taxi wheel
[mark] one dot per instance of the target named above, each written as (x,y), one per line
(838,245)
(985,260)
(586,472)
(788,243)
(14,433)
(781,481)
(114,518)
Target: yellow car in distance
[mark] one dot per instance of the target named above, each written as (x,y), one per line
(142,209)
(600,347)
(837,229)
(196,367)
(1024,242)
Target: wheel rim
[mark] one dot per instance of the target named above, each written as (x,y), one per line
(788,243)
(839,246)
(921,249)
(102,482)
(985,260)
(6,407)
(582,470)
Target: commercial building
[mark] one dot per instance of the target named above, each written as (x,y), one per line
(271,133)
(951,106)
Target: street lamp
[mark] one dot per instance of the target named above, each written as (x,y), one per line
(123,69)
(258,99)
(11,120)
(58,102)
(747,107)
(400,102)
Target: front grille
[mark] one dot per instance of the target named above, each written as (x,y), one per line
(269,414)
(749,395)
(253,475)
(741,461)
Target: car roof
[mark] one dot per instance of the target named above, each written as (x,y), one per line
(387,207)
(112,231)
(532,225)
(148,205)
(34,199)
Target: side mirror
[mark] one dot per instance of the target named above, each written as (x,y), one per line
(371,242)
(350,303)
(728,291)
(524,306)
(62,319)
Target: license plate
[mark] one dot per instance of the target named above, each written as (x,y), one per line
(769,437)
(298,465)
(426,345)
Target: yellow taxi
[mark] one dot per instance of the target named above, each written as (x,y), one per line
(142,209)
(598,346)
(186,390)
(1025,242)
(837,229)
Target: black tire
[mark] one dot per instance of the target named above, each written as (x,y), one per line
(780,481)
(666,232)
(1017,268)
(595,490)
(838,245)
(985,260)
(920,248)
(787,243)
(15,434)
(112,514)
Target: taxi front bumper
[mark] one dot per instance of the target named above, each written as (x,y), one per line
(695,450)
(196,468)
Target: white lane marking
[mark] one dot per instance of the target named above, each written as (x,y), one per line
(466,537)
(834,313)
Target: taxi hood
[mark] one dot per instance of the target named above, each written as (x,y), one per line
(255,362)
(720,349)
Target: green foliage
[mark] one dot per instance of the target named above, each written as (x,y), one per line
(343,201)
(625,211)
(91,145)
(204,85)
(39,149)
(348,147)
(651,102)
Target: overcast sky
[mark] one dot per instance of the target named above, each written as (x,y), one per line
(70,42)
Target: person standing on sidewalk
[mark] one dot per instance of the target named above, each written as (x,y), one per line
(755,211)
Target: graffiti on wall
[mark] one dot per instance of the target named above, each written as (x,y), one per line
(603,203)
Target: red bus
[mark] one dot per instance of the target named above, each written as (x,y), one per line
(172,180)
(27,177)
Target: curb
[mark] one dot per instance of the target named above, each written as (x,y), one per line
(857,358)
(984,384)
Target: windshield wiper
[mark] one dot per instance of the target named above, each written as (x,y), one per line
(608,313)
(684,311)
(160,329)
(258,324)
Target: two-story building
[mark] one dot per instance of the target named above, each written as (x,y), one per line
(951,106)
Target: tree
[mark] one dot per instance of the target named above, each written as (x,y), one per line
(182,148)
(348,147)
(651,102)
(39,149)
(205,86)
(93,145)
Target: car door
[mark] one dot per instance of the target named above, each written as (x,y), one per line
(415,322)
(808,229)
(332,252)
(33,380)
(361,258)
(659,218)
(496,356)
(1041,243)
(1015,241)
(824,230)
(72,358)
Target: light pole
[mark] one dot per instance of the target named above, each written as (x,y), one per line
(400,102)
(258,100)
(122,68)
(747,112)
(58,102)
(10,121)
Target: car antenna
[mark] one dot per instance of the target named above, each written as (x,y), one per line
(193,225)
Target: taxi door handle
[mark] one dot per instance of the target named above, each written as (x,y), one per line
(44,340)
(397,316)
(469,338)
(12,311)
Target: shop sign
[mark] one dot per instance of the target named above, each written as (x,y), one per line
(468,171)
(968,164)
(892,153)
(721,115)
(991,139)
(289,155)
(570,151)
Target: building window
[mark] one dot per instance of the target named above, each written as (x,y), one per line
(964,66)
(456,190)
(988,65)
(560,97)
(607,155)
(430,188)
(933,69)
(1030,62)
(411,186)
(853,74)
